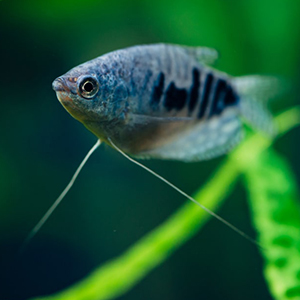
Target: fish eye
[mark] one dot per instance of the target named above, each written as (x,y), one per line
(88,87)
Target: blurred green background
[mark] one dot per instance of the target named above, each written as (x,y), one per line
(114,203)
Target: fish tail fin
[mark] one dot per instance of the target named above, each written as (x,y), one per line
(255,92)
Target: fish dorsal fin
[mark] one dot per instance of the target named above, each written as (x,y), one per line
(202,141)
(204,55)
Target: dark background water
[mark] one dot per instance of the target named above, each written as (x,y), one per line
(114,203)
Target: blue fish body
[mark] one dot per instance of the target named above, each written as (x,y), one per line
(164,101)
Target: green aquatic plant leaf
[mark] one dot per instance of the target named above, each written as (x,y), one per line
(276,216)
(119,275)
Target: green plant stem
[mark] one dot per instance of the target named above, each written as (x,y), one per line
(119,275)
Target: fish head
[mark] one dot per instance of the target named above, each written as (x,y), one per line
(91,94)
(78,92)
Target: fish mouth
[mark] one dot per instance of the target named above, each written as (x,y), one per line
(63,93)
(60,85)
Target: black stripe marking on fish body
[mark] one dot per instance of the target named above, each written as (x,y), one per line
(231,98)
(175,97)
(157,90)
(218,105)
(205,94)
(194,91)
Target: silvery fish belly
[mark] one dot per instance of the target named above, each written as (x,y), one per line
(164,101)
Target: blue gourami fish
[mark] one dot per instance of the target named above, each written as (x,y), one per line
(163,101)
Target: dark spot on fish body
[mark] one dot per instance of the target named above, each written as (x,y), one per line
(175,98)
(194,91)
(230,98)
(205,95)
(217,105)
(158,89)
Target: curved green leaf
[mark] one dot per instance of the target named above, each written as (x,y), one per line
(276,215)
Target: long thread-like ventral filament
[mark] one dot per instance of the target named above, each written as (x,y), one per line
(46,216)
